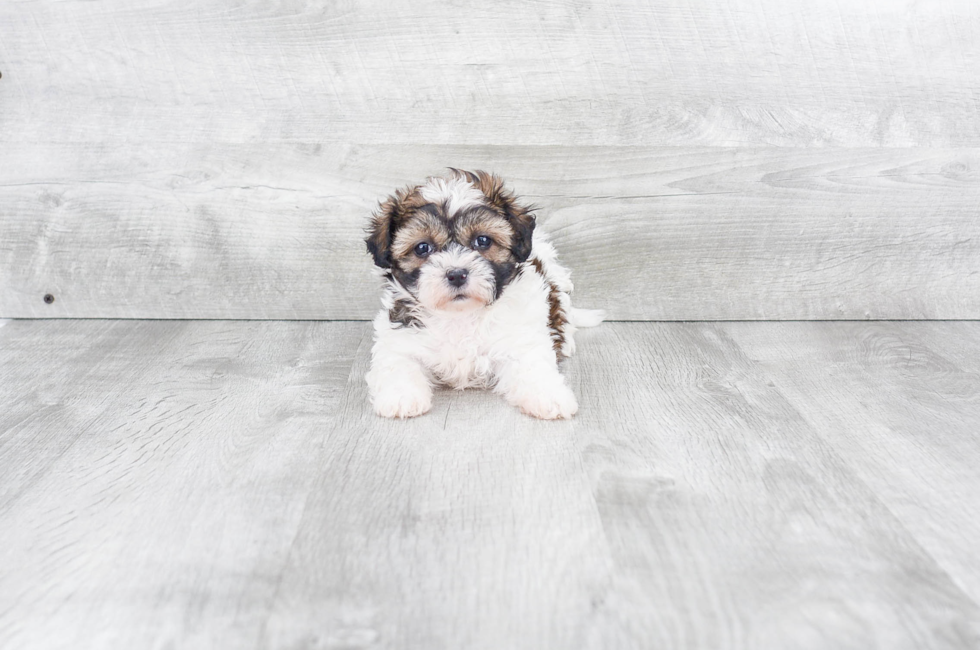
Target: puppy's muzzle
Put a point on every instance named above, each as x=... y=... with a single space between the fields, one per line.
x=456 y=277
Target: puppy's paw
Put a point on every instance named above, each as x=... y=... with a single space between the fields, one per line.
x=548 y=402
x=402 y=400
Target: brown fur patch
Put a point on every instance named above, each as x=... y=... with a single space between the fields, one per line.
x=391 y=214
x=492 y=187
x=521 y=217
x=402 y=313
x=473 y=223
x=557 y=318
x=422 y=227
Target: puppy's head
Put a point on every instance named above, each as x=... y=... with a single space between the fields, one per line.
x=455 y=242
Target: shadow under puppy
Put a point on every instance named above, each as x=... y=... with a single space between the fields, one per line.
x=473 y=297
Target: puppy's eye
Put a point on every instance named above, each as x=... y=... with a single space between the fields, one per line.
x=482 y=242
x=422 y=249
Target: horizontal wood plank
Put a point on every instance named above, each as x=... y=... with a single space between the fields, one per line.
x=275 y=231
x=627 y=72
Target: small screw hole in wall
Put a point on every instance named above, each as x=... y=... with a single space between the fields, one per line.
x=48 y=298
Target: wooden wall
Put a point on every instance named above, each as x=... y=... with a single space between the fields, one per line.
x=739 y=159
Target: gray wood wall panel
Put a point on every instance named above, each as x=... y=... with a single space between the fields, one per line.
x=739 y=159
x=274 y=231
x=625 y=72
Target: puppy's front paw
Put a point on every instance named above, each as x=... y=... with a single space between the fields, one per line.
x=402 y=400
x=549 y=403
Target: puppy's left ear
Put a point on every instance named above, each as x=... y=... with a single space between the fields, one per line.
x=521 y=217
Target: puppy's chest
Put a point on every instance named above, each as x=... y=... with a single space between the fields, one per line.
x=458 y=352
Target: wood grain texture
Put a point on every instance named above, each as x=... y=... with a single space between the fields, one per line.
x=154 y=475
x=627 y=72
x=471 y=527
x=731 y=521
x=223 y=484
x=728 y=160
x=275 y=231
x=902 y=405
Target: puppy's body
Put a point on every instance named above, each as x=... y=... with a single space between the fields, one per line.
x=461 y=313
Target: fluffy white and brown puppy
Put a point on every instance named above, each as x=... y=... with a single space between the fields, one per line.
x=473 y=297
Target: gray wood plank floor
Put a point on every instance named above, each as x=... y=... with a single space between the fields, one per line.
x=188 y=484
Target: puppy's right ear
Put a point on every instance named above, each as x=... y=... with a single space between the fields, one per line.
x=381 y=232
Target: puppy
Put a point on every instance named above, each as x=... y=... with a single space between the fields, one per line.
x=473 y=297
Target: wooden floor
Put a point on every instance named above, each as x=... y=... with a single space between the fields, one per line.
x=184 y=484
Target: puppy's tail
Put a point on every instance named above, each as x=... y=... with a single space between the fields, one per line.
x=586 y=317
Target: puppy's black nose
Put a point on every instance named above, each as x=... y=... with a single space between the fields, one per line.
x=456 y=277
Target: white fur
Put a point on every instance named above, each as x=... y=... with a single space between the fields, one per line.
x=456 y=192
x=505 y=345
